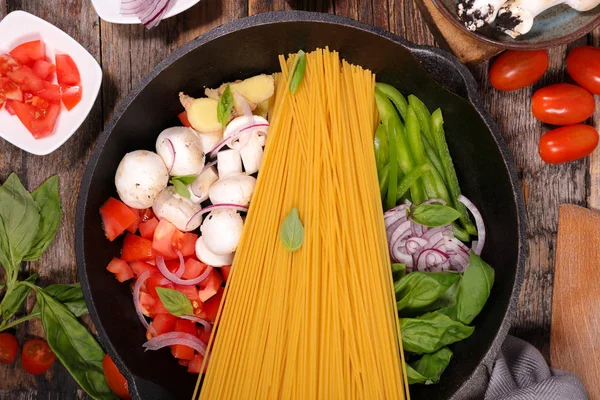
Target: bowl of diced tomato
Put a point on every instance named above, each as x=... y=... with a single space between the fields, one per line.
x=48 y=83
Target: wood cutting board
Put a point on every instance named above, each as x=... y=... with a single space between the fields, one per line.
x=575 y=331
x=468 y=49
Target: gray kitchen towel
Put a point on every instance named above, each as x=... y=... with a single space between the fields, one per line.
x=521 y=373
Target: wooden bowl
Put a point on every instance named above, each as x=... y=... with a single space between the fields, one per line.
x=556 y=26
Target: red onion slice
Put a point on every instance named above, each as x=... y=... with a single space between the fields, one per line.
x=213 y=207
x=162 y=267
x=233 y=136
x=174 y=155
x=430 y=258
x=477 y=246
x=207 y=326
x=150 y=12
x=181 y=269
x=172 y=338
x=136 y=301
x=243 y=104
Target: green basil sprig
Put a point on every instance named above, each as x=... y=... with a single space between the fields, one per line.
x=297 y=71
x=431 y=332
x=433 y=214
x=180 y=184
x=429 y=368
x=70 y=296
x=292 y=231
x=225 y=106
x=418 y=290
x=175 y=302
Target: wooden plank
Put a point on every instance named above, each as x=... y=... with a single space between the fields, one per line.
x=575 y=330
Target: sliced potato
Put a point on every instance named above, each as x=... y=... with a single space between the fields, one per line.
x=202 y=114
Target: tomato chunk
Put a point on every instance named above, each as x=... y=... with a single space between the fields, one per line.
x=186 y=243
x=163 y=239
x=211 y=307
x=71 y=96
x=210 y=286
x=195 y=364
x=115 y=379
x=39 y=121
x=193 y=269
x=191 y=292
x=157 y=280
x=28 y=53
x=184 y=119
x=139 y=267
x=44 y=69
x=27 y=80
x=124 y=215
x=147 y=228
x=67 y=72
x=147 y=302
x=50 y=91
x=9 y=90
x=225 y=270
x=136 y=248
x=180 y=351
x=37 y=356
x=133 y=227
x=7 y=64
x=121 y=269
x=164 y=323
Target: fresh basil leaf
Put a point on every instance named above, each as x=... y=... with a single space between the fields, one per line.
x=292 y=231
x=19 y=221
x=382 y=148
x=297 y=71
x=398 y=271
x=185 y=179
x=474 y=289
x=15 y=297
x=429 y=368
x=431 y=332
x=175 y=302
x=74 y=346
x=421 y=289
x=433 y=214
x=69 y=296
x=48 y=203
x=225 y=106
x=181 y=189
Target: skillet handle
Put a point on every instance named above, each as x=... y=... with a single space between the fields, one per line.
x=146 y=390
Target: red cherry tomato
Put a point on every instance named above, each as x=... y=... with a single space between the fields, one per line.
x=517 y=69
x=8 y=348
x=115 y=379
x=562 y=104
x=583 y=65
x=37 y=356
x=568 y=143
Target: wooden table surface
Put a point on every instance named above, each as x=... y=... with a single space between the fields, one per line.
x=126 y=53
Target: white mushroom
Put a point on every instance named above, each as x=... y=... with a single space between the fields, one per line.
x=181 y=150
x=516 y=17
x=179 y=211
x=244 y=122
x=199 y=188
x=140 y=177
x=210 y=258
x=222 y=230
x=210 y=140
x=252 y=154
x=229 y=162
x=235 y=189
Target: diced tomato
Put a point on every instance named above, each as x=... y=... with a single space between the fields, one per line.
x=193 y=269
x=211 y=307
x=40 y=122
x=136 y=248
x=173 y=265
x=157 y=280
x=180 y=351
x=44 y=69
x=203 y=334
x=210 y=286
x=225 y=269
x=112 y=229
x=163 y=239
x=139 y=267
x=164 y=323
x=50 y=91
x=121 y=269
x=186 y=243
x=159 y=308
x=147 y=228
x=10 y=109
x=27 y=80
x=28 y=53
x=146 y=214
x=196 y=364
x=184 y=119
x=133 y=227
x=9 y=90
x=120 y=212
x=147 y=303
x=191 y=293
x=7 y=64
x=66 y=70
x=71 y=95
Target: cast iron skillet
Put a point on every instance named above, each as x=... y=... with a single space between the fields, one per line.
x=250 y=46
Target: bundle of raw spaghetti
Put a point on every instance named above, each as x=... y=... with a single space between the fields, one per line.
x=320 y=322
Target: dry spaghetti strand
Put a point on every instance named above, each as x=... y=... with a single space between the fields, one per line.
x=319 y=323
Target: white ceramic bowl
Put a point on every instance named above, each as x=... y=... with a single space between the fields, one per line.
x=20 y=27
x=108 y=10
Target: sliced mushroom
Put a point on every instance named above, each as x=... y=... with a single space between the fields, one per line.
x=199 y=188
x=140 y=177
x=236 y=189
x=181 y=212
x=229 y=162
x=210 y=258
x=252 y=154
